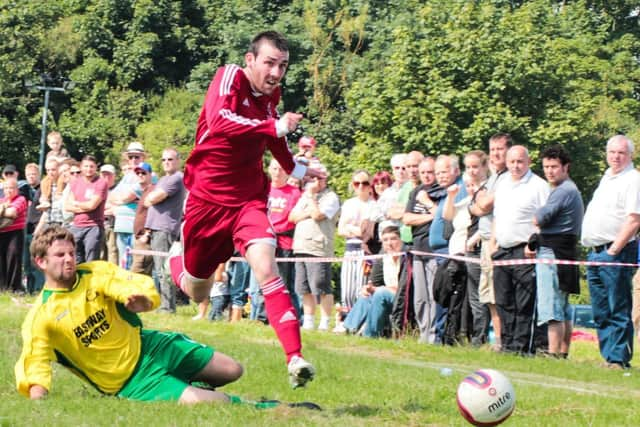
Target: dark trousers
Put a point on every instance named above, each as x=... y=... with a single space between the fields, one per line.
x=35 y=277
x=11 y=245
x=479 y=311
x=515 y=289
x=88 y=242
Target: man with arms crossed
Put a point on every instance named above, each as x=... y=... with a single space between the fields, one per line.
x=560 y=221
x=499 y=143
x=228 y=188
x=609 y=228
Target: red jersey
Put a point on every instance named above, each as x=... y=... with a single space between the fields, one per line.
x=235 y=127
x=281 y=201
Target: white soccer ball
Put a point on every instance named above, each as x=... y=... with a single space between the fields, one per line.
x=486 y=397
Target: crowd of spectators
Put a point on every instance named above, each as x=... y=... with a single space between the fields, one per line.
x=492 y=207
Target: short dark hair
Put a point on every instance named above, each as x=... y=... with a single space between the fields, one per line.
x=391 y=229
x=275 y=38
x=90 y=158
x=556 y=152
x=502 y=136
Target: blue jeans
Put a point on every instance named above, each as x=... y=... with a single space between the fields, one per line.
x=610 y=289
x=552 y=303
x=374 y=310
x=124 y=241
x=258 y=312
x=240 y=274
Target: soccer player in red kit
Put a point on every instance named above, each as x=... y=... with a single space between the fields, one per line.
x=228 y=188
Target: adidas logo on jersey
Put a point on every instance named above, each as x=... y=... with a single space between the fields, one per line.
x=245 y=102
x=288 y=317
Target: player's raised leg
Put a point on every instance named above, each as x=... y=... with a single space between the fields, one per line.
x=280 y=311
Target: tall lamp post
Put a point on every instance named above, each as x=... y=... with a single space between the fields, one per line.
x=48 y=85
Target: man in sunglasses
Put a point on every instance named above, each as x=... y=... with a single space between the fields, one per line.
x=228 y=188
x=124 y=201
x=163 y=220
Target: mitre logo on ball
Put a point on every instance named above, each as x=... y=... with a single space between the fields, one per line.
x=486 y=397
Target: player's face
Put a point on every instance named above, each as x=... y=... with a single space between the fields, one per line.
x=59 y=265
x=267 y=68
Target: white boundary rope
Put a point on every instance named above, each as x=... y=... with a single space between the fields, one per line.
x=461 y=258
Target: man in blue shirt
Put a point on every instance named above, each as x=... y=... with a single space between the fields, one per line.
x=560 y=221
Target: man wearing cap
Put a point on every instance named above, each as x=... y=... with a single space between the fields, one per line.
x=109 y=251
x=124 y=201
x=228 y=188
x=165 y=204
x=142 y=264
x=86 y=201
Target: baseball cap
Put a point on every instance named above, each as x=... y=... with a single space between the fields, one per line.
x=307 y=142
x=135 y=147
x=143 y=167
x=108 y=168
x=9 y=169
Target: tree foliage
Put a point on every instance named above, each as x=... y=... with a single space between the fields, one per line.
x=373 y=77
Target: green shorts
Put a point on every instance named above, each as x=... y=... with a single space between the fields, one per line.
x=168 y=362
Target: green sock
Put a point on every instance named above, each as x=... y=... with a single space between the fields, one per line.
x=262 y=404
x=234 y=399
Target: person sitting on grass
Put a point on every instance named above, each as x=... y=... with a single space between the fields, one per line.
x=377 y=297
x=86 y=319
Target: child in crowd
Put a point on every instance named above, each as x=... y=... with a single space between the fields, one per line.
x=59 y=153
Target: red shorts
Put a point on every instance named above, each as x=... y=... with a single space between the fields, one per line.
x=210 y=232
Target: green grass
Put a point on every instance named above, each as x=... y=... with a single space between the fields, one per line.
x=360 y=382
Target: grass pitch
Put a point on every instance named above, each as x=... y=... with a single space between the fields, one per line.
x=360 y=382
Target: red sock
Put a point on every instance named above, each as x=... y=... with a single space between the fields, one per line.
x=282 y=316
x=176 y=268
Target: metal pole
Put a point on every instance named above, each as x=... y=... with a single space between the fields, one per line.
x=44 y=130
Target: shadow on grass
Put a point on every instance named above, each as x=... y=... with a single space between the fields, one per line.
x=364 y=411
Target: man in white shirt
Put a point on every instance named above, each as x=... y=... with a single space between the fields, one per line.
x=609 y=229
x=516 y=200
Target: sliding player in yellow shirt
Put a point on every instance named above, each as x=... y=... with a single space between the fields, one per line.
x=85 y=319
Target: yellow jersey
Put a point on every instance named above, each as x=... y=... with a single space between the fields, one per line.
x=86 y=328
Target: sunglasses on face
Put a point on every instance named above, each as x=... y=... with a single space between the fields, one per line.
x=75 y=172
x=141 y=173
x=134 y=156
x=361 y=183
